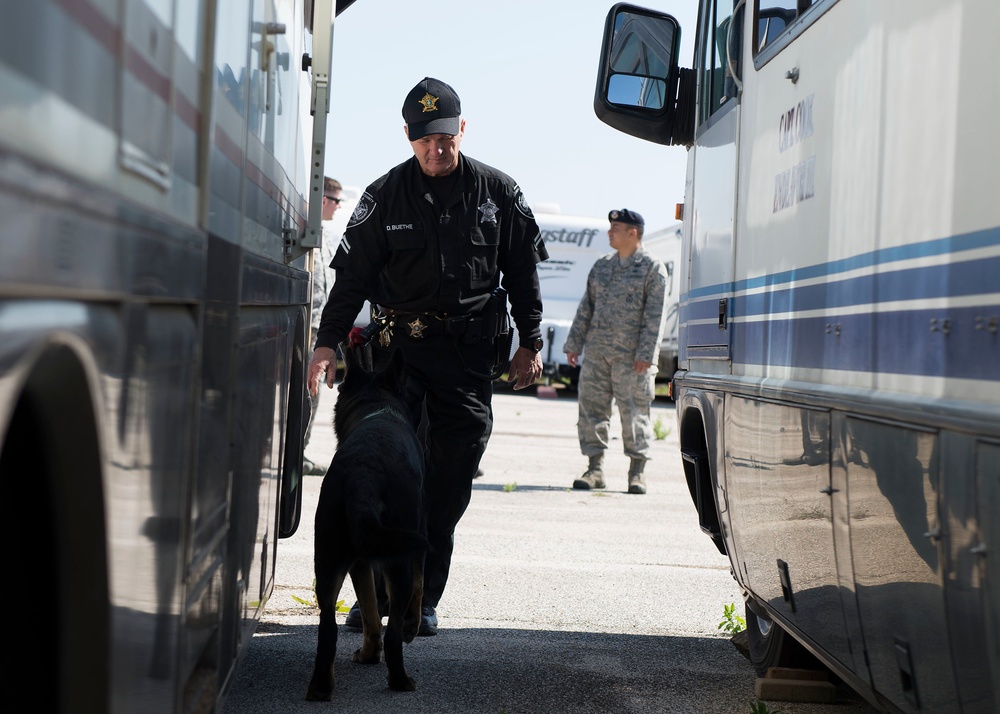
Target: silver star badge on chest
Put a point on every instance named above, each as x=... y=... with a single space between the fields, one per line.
x=489 y=211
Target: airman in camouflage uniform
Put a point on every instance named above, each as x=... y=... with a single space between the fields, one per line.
x=620 y=321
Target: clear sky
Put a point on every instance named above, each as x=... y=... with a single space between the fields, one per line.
x=525 y=71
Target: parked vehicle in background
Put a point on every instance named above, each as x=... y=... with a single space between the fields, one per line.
x=838 y=392
x=665 y=244
x=574 y=244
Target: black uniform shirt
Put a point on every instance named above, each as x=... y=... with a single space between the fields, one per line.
x=407 y=250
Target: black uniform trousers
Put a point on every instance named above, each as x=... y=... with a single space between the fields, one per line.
x=448 y=384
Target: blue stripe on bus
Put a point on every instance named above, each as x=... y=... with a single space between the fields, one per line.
x=704 y=335
x=941 y=246
x=970 y=277
x=700 y=310
x=900 y=342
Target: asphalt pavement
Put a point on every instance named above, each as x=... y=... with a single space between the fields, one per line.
x=558 y=601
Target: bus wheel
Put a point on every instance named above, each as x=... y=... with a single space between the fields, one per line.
x=771 y=646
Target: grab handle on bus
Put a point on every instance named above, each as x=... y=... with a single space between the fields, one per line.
x=733 y=53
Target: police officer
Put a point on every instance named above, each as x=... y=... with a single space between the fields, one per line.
x=620 y=321
x=431 y=244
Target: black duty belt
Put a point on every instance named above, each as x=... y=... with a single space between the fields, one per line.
x=418 y=325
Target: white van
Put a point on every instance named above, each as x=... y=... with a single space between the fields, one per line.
x=665 y=244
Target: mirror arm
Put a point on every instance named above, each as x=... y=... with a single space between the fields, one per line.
x=682 y=130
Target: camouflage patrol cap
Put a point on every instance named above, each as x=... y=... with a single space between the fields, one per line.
x=626 y=216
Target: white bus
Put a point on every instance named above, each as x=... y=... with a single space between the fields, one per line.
x=838 y=393
x=160 y=183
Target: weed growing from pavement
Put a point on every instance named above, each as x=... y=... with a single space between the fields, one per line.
x=731 y=622
x=759 y=707
x=659 y=430
x=341 y=607
x=508 y=487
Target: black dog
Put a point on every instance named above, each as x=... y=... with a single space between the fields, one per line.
x=371 y=513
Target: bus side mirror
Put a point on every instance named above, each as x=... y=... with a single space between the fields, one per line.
x=641 y=91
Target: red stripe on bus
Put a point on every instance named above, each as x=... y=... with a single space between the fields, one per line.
x=188 y=112
x=229 y=148
x=146 y=73
x=105 y=31
x=108 y=34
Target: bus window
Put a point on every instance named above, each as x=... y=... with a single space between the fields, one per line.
x=774 y=16
x=717 y=86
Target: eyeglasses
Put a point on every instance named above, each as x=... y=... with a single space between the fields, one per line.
x=338 y=201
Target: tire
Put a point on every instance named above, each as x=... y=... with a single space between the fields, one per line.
x=771 y=646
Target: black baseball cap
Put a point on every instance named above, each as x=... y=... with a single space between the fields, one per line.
x=432 y=107
x=626 y=216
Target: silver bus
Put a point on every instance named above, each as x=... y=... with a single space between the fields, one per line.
x=838 y=387
x=157 y=160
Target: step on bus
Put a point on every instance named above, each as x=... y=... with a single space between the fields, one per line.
x=838 y=392
x=160 y=182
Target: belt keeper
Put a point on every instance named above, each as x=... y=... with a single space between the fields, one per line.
x=455 y=325
x=473 y=331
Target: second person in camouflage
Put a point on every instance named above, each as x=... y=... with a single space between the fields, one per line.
x=620 y=324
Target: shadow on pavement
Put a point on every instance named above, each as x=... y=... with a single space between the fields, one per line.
x=503 y=670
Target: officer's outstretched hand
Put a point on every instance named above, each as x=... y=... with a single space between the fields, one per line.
x=525 y=367
x=323 y=361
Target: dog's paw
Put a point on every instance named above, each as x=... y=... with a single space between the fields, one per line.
x=403 y=683
x=373 y=656
x=319 y=691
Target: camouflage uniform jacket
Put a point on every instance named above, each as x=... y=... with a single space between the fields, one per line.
x=323 y=274
x=622 y=311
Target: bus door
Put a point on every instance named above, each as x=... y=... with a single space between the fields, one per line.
x=706 y=302
x=784 y=505
x=856 y=493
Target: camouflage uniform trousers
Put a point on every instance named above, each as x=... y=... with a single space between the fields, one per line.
x=607 y=377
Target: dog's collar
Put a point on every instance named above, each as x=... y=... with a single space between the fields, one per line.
x=386 y=410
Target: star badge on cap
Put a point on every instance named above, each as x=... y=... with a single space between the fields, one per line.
x=429 y=102
x=489 y=211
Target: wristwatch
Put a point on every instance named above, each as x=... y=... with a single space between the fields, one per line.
x=535 y=346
